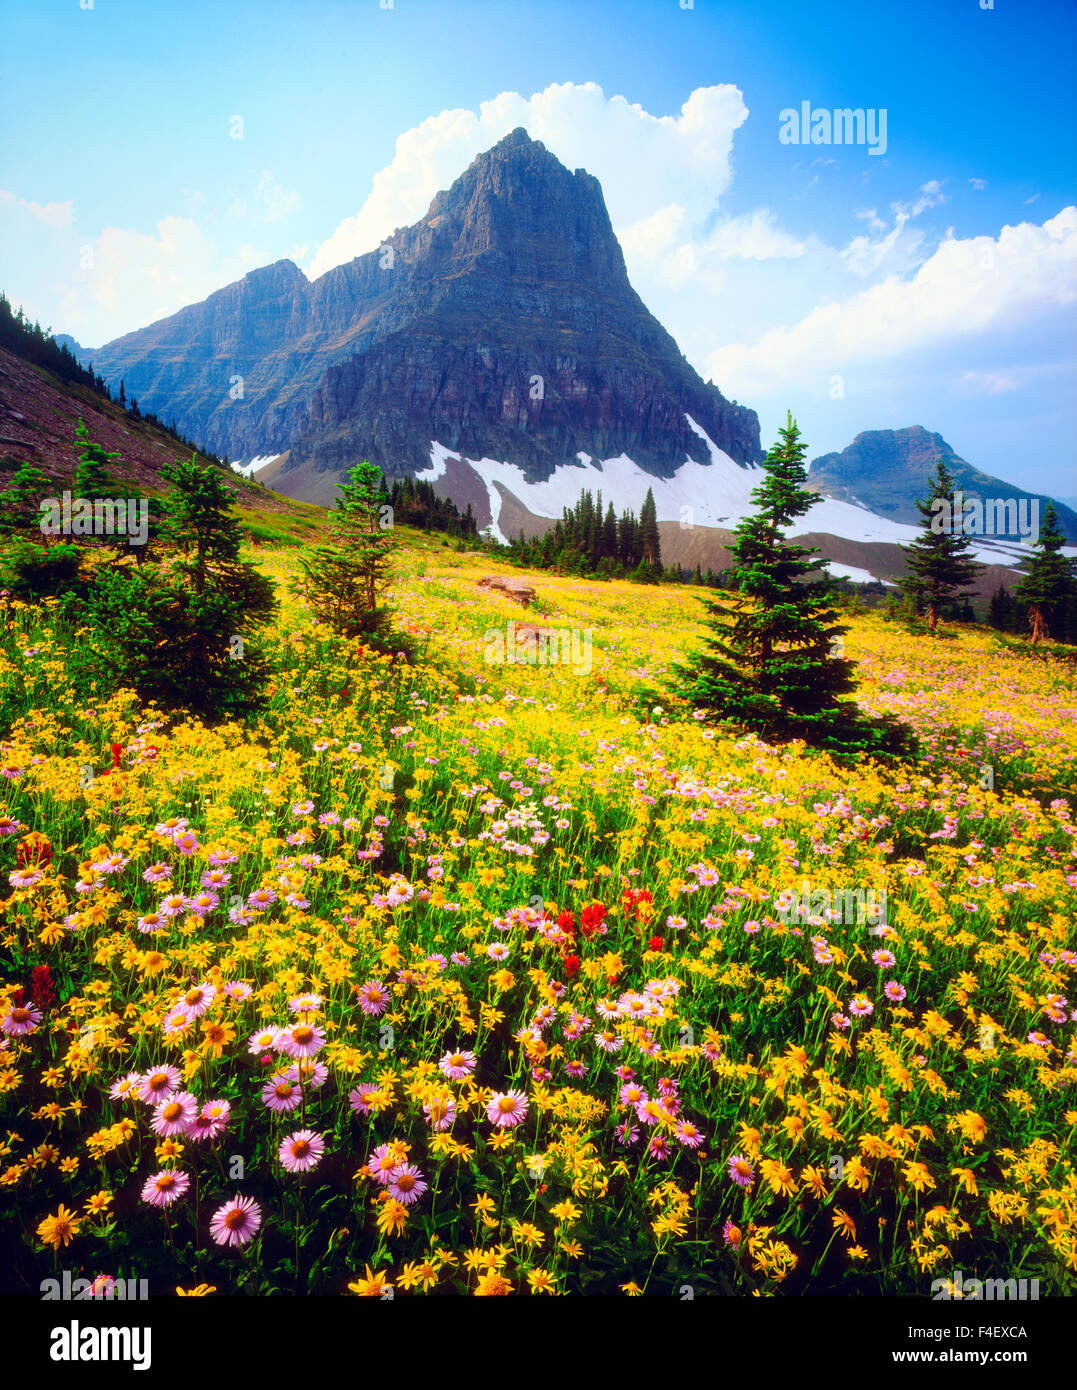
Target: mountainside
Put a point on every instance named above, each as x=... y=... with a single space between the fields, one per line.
x=887 y=470
x=502 y=325
x=38 y=416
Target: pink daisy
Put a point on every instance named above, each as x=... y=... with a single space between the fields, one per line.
x=126 y=1087
x=506 y=1108
x=440 y=1113
x=686 y=1134
x=383 y=1163
x=894 y=991
x=264 y=1040
x=198 y=999
x=741 y=1171
x=236 y=1222
x=174 y=1115
x=406 y=1184
x=301 y=1040
x=20 y=1021
x=301 y=1151
x=457 y=1065
x=373 y=998
x=158 y=1084
x=280 y=1095
x=165 y=1187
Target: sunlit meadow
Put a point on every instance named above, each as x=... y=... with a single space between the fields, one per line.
x=447 y=977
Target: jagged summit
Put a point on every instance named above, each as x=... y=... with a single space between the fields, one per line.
x=502 y=325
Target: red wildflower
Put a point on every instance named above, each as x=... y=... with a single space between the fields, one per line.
x=633 y=897
x=117 y=753
x=35 y=850
x=566 y=921
x=591 y=918
x=571 y=964
x=42 y=987
x=655 y=943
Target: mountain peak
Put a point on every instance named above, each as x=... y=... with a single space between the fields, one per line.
x=502 y=324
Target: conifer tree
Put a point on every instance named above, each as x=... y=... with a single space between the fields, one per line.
x=773 y=662
x=343 y=581
x=20 y=502
x=939 y=564
x=1049 y=580
x=92 y=478
x=649 y=539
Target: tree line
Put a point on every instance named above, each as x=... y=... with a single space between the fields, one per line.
x=588 y=540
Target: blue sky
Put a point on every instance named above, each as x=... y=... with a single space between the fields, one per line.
x=932 y=284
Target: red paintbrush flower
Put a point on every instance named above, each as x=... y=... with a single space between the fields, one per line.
x=655 y=943
x=42 y=987
x=591 y=918
x=571 y=964
x=33 y=850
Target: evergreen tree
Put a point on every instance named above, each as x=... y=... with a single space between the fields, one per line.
x=182 y=632
x=1049 y=580
x=20 y=501
x=92 y=478
x=649 y=539
x=1000 y=610
x=773 y=662
x=342 y=581
x=938 y=562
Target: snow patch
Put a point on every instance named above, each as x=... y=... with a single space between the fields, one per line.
x=259 y=461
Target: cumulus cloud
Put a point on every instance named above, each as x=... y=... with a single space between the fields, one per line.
x=967 y=287
x=52 y=214
x=130 y=278
x=687 y=159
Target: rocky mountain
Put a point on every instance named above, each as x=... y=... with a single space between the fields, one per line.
x=887 y=470
x=502 y=325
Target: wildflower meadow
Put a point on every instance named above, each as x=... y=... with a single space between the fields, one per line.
x=443 y=976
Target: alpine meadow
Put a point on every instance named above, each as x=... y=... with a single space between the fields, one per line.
x=484 y=810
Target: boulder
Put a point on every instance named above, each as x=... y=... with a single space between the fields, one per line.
x=510 y=586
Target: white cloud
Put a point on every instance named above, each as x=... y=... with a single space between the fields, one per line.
x=687 y=158
x=277 y=200
x=988 y=383
x=965 y=288
x=52 y=214
x=978 y=184
x=139 y=277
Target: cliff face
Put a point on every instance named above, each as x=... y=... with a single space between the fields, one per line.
x=888 y=470
x=503 y=324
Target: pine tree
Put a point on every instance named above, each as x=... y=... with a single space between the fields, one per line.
x=649 y=539
x=774 y=662
x=20 y=502
x=342 y=581
x=92 y=478
x=1049 y=580
x=938 y=562
x=182 y=633
x=1000 y=610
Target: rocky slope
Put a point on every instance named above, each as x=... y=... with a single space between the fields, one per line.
x=502 y=325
